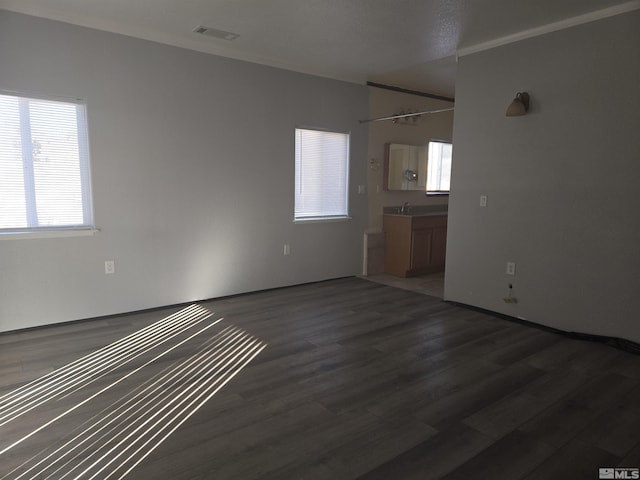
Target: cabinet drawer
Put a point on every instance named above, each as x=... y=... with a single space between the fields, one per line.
x=429 y=222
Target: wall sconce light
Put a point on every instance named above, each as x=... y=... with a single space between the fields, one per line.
x=519 y=106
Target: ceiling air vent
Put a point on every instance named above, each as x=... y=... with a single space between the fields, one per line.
x=215 y=33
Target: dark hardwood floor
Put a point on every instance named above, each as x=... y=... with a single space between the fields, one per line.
x=334 y=380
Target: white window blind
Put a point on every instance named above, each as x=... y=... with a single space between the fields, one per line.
x=322 y=174
x=44 y=165
x=439 y=167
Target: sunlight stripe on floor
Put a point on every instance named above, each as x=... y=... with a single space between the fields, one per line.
x=90 y=368
x=112 y=443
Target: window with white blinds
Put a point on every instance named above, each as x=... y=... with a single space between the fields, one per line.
x=322 y=174
x=44 y=165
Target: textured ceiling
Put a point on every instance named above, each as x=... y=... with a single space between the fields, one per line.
x=408 y=43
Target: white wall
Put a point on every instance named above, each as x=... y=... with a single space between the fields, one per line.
x=192 y=161
x=384 y=103
x=562 y=182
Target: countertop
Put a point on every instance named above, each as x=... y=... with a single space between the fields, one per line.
x=418 y=214
x=417 y=211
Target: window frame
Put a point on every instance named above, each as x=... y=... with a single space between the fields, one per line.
x=34 y=229
x=347 y=171
x=426 y=187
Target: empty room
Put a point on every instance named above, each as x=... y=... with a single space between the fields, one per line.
x=260 y=239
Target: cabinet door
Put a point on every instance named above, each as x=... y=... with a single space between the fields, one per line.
x=397 y=244
x=439 y=246
x=421 y=248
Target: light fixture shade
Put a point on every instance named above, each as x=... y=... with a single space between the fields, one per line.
x=519 y=106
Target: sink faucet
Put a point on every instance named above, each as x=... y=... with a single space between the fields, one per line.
x=404 y=208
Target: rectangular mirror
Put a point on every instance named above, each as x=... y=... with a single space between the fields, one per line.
x=405 y=167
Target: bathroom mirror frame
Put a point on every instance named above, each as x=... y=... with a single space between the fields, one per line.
x=405 y=167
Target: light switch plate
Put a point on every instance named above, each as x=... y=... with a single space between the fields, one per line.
x=511 y=268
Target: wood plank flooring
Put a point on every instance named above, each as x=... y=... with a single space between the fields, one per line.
x=351 y=379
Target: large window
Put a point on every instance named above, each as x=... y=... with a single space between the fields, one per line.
x=439 y=167
x=322 y=175
x=44 y=165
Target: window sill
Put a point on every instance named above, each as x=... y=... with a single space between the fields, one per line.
x=321 y=219
x=48 y=233
x=436 y=194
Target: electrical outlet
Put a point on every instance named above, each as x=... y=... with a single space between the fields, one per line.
x=511 y=268
x=109 y=267
x=362 y=189
x=483 y=200
x=287 y=249
x=510 y=298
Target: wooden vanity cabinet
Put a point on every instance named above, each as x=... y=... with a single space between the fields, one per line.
x=414 y=245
